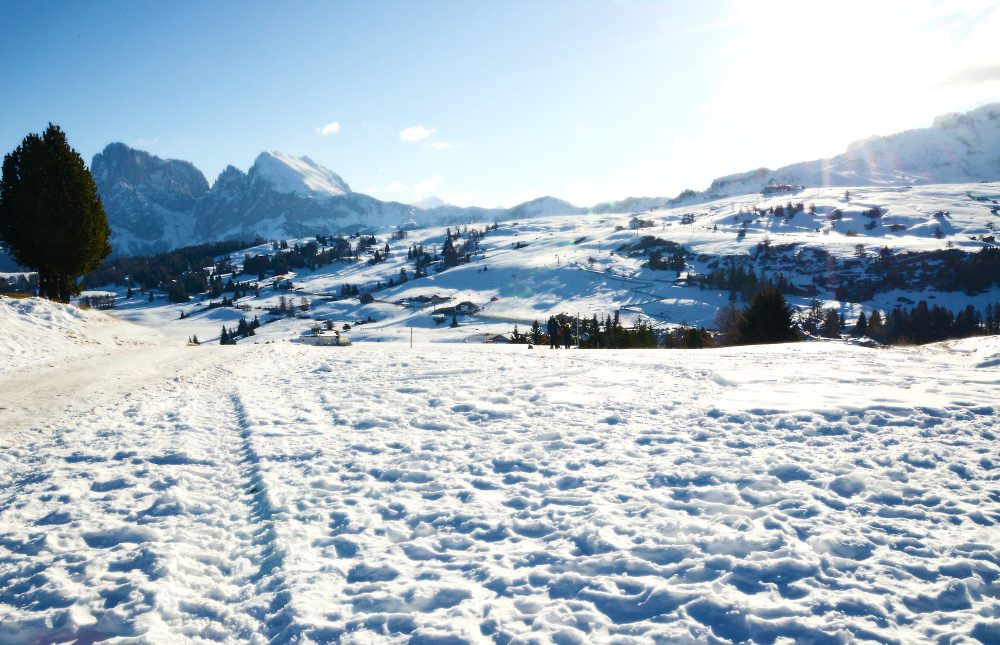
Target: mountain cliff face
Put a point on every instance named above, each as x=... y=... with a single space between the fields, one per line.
x=285 y=196
x=155 y=204
x=150 y=201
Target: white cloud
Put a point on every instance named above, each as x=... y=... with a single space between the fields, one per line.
x=910 y=60
x=416 y=133
x=442 y=145
x=330 y=128
x=397 y=187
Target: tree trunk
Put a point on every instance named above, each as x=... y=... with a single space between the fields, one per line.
x=55 y=286
x=66 y=286
x=47 y=285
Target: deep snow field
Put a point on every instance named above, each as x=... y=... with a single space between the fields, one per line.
x=813 y=492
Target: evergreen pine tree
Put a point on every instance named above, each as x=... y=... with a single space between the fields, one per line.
x=224 y=336
x=831 y=324
x=768 y=319
x=876 y=327
x=176 y=292
x=861 y=327
x=51 y=218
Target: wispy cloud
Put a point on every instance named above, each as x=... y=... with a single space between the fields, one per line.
x=330 y=128
x=416 y=133
x=442 y=145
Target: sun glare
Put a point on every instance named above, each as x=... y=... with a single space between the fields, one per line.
x=859 y=68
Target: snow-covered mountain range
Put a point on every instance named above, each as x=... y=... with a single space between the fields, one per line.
x=157 y=204
x=956 y=148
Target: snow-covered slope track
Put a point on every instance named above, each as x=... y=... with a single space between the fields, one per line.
x=815 y=492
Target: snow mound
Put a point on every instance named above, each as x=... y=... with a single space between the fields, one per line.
x=35 y=331
x=297 y=175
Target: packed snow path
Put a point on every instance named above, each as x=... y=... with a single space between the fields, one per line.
x=816 y=492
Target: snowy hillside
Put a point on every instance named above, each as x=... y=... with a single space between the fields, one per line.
x=831 y=252
x=377 y=493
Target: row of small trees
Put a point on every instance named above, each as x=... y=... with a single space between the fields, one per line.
x=767 y=319
x=589 y=333
x=927 y=324
x=243 y=329
x=102 y=301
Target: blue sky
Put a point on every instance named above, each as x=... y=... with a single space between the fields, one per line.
x=492 y=103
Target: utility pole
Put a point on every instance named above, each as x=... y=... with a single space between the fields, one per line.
x=411 y=336
x=578 y=330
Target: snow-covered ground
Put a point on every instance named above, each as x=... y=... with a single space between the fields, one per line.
x=573 y=264
x=467 y=493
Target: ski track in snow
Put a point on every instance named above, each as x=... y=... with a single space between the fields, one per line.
x=490 y=494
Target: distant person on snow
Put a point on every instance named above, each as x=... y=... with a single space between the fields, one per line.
x=567 y=335
x=553 y=329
